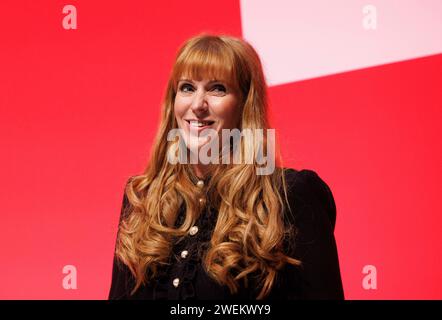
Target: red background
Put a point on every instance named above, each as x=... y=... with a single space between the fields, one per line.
x=79 y=109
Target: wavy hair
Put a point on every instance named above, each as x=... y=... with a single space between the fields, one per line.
x=247 y=240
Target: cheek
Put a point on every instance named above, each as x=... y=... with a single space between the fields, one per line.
x=179 y=108
x=228 y=112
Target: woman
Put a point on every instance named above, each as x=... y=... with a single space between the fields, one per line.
x=220 y=230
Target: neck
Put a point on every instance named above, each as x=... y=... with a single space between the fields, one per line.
x=201 y=170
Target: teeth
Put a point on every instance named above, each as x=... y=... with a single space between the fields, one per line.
x=198 y=123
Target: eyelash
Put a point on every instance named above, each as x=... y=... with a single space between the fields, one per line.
x=187 y=85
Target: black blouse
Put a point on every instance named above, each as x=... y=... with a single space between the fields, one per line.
x=314 y=215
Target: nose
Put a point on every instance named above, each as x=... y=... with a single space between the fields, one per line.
x=199 y=102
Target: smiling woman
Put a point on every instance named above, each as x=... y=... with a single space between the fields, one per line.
x=201 y=105
x=222 y=231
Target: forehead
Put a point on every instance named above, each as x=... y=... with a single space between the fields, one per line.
x=205 y=66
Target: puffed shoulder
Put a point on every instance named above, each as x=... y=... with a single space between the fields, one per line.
x=314 y=216
x=306 y=188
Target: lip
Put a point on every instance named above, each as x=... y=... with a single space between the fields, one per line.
x=197 y=129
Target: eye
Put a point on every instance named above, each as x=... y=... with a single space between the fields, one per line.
x=219 y=88
x=186 y=87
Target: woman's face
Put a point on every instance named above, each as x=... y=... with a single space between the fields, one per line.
x=204 y=104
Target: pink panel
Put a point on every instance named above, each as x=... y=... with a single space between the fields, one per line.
x=306 y=39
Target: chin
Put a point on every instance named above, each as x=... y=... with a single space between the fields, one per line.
x=195 y=145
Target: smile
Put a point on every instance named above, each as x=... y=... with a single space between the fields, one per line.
x=199 y=124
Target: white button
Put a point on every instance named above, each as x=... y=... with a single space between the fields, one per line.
x=176 y=282
x=184 y=254
x=200 y=183
x=193 y=231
